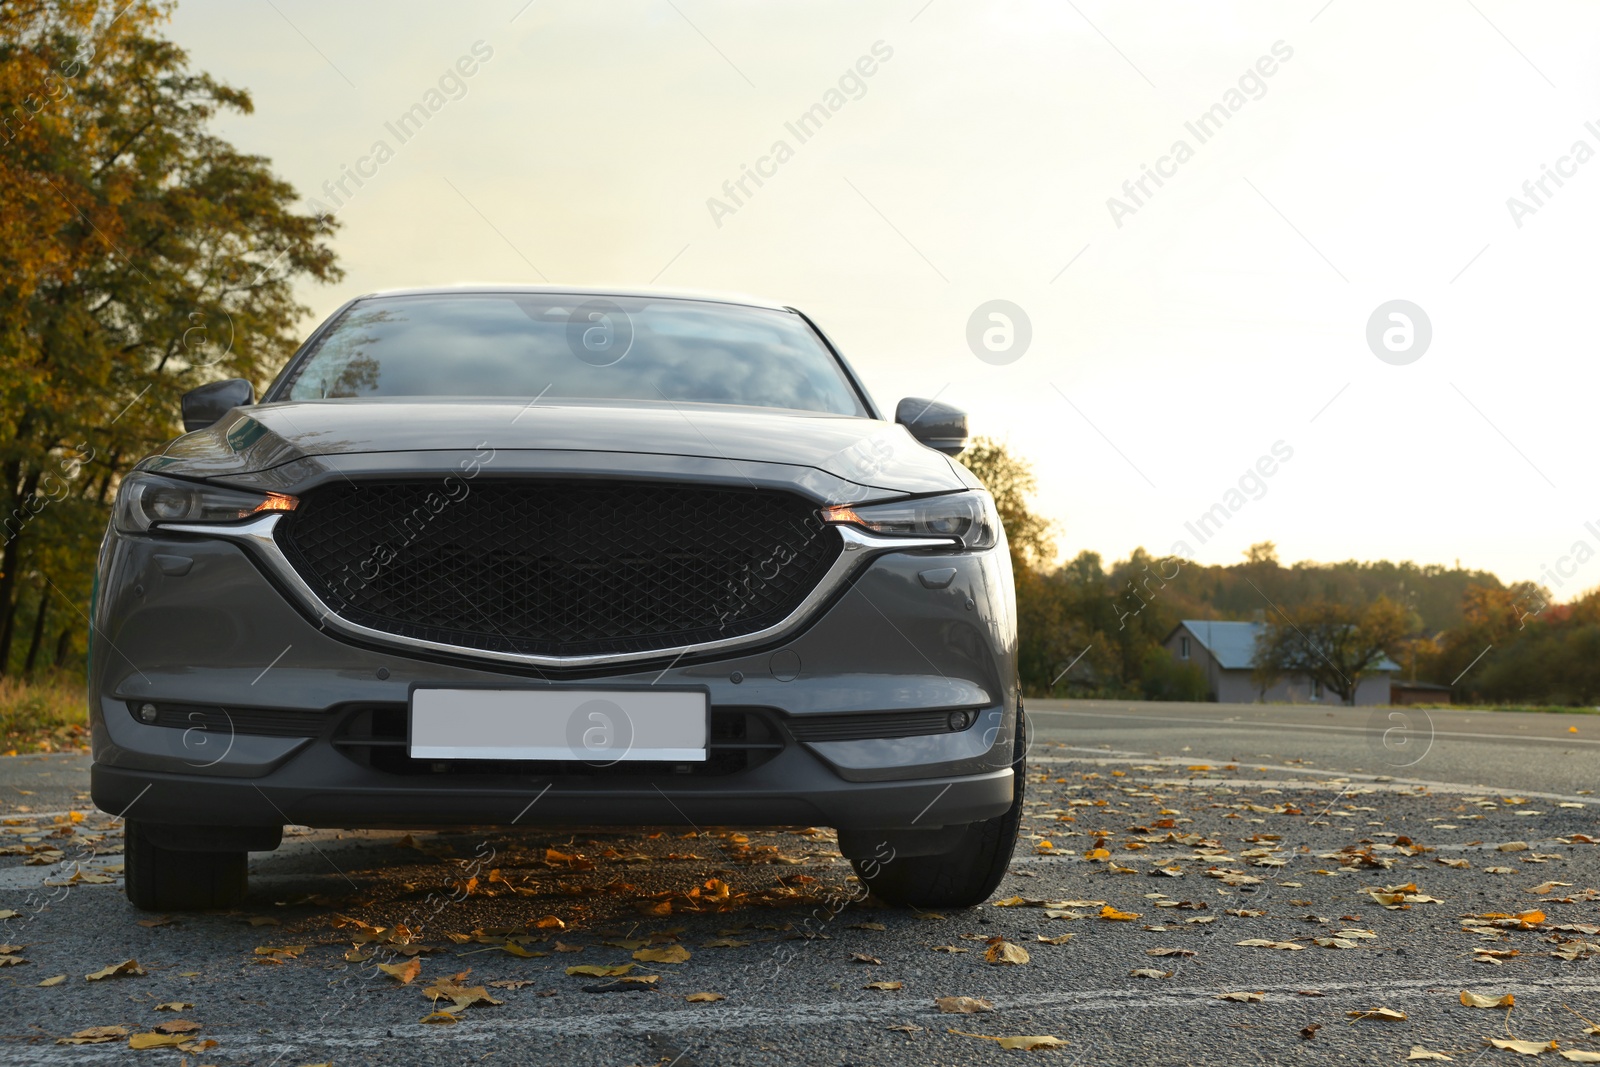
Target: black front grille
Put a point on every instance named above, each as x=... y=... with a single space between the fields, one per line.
x=557 y=567
x=741 y=738
x=225 y=722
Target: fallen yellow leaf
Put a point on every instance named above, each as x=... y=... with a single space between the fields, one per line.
x=887 y=987
x=1111 y=914
x=1040 y=1041
x=963 y=1005
x=1475 y=1000
x=95 y=1035
x=128 y=968
x=1526 y=1048
x=1243 y=998
x=1388 y=1014
x=595 y=970
x=665 y=954
x=704 y=998
x=153 y=1040
x=1420 y=1053
x=403 y=972
x=1002 y=951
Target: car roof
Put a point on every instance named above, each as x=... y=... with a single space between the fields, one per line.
x=646 y=292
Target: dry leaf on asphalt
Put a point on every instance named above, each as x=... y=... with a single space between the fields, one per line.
x=1148 y=972
x=1476 y=1000
x=962 y=1005
x=174 y=1005
x=1002 y=951
x=1261 y=942
x=440 y=1018
x=1420 y=1053
x=1170 y=952
x=1111 y=914
x=271 y=954
x=127 y=968
x=1310 y=1031
x=461 y=997
x=862 y=957
x=402 y=972
x=55 y=979
x=595 y=970
x=704 y=998
x=956 y=948
x=1388 y=1014
x=1243 y=998
x=95 y=1035
x=888 y=987
x=153 y=1040
x=665 y=954
x=1578 y=1055
x=1526 y=1048
x=1040 y=1041
x=176 y=1026
x=1333 y=942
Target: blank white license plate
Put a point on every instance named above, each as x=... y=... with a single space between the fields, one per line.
x=593 y=725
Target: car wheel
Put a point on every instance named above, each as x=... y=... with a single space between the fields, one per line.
x=163 y=879
x=962 y=876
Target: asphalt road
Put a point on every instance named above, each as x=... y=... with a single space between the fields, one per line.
x=1219 y=825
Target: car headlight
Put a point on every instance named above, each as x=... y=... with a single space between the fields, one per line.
x=968 y=517
x=146 y=500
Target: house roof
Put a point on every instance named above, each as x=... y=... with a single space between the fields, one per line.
x=1233 y=644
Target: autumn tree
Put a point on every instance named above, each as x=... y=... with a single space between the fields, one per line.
x=1011 y=482
x=140 y=256
x=1330 y=642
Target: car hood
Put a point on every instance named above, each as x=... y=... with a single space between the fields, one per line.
x=255 y=439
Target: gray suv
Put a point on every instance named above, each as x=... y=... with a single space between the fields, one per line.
x=516 y=555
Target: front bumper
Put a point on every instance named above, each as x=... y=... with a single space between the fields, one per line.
x=191 y=622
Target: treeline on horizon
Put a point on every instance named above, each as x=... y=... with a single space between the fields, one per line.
x=1092 y=629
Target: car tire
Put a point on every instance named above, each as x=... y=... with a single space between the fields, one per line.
x=163 y=879
x=962 y=876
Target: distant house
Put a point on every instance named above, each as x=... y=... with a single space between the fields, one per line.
x=1225 y=651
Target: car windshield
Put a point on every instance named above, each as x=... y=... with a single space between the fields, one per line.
x=574 y=347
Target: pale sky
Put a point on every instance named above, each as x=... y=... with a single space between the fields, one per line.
x=1227 y=313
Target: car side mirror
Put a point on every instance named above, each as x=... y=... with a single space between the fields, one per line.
x=207 y=404
x=939 y=426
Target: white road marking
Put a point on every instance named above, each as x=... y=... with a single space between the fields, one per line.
x=1330 y=777
x=1269 y=724
x=686 y=1022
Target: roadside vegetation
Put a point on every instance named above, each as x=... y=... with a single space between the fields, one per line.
x=47 y=714
x=1092 y=630
x=141 y=255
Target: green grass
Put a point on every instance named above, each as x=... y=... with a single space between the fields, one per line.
x=1550 y=709
x=48 y=714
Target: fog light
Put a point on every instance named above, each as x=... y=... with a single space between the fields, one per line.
x=148 y=713
x=960 y=720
